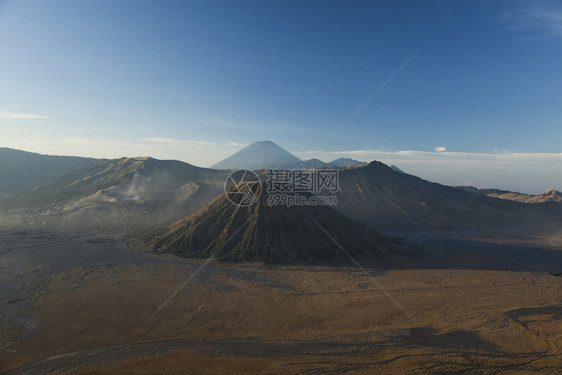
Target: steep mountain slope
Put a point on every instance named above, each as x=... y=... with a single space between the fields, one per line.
x=384 y=199
x=118 y=194
x=549 y=196
x=258 y=155
x=266 y=233
x=345 y=162
x=309 y=164
x=22 y=170
x=396 y=169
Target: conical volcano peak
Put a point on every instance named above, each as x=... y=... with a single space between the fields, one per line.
x=259 y=155
x=267 y=233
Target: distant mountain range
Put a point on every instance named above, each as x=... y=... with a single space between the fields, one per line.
x=121 y=194
x=147 y=195
x=345 y=162
x=22 y=170
x=266 y=154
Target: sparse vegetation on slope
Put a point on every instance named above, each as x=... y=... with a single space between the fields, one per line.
x=270 y=234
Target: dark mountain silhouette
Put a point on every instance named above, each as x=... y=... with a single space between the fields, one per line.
x=317 y=163
x=396 y=169
x=268 y=233
x=384 y=199
x=345 y=162
x=22 y=170
x=309 y=164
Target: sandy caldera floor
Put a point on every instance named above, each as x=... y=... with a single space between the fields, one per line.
x=258 y=319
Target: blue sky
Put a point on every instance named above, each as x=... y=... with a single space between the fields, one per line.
x=484 y=82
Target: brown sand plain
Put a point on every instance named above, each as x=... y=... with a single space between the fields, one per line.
x=253 y=318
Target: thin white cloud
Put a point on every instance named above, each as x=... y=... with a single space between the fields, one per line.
x=19 y=116
x=184 y=141
x=440 y=149
x=432 y=155
x=535 y=19
x=532 y=173
x=526 y=172
x=78 y=140
x=200 y=153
